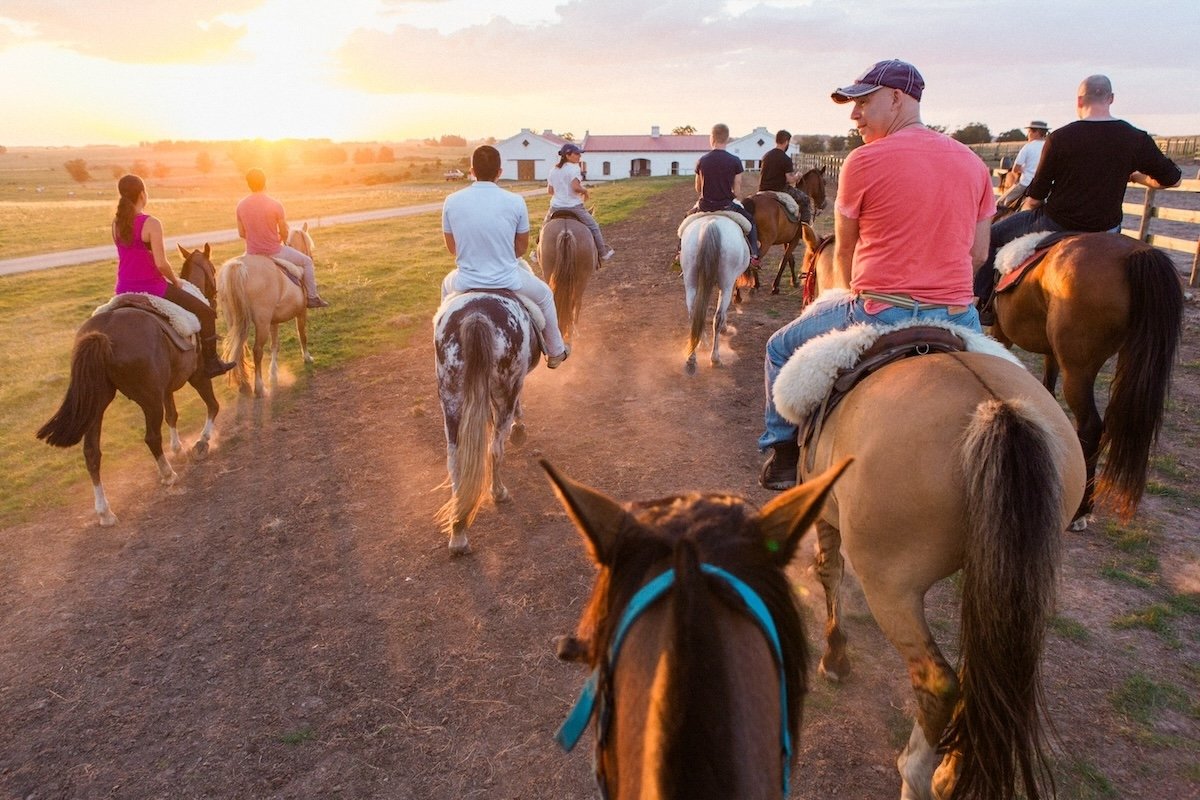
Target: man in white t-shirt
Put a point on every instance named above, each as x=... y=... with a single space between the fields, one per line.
x=1026 y=164
x=486 y=229
x=567 y=193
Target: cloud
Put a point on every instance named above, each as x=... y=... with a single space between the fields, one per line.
x=179 y=31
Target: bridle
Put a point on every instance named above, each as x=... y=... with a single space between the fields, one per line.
x=597 y=701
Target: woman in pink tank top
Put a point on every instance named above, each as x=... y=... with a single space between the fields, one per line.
x=142 y=266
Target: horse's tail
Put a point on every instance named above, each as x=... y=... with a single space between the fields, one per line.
x=708 y=262
x=567 y=285
x=1014 y=507
x=472 y=462
x=88 y=394
x=1142 y=378
x=231 y=289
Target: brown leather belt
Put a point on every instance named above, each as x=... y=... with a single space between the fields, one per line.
x=904 y=301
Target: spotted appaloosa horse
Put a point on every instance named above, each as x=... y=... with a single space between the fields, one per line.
x=486 y=344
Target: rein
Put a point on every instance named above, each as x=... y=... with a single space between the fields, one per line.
x=586 y=706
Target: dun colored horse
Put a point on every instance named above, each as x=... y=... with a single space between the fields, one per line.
x=1001 y=478
x=485 y=344
x=714 y=256
x=256 y=293
x=706 y=698
x=126 y=350
x=774 y=227
x=1093 y=296
x=567 y=254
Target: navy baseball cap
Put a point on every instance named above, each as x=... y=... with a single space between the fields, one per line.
x=569 y=149
x=894 y=74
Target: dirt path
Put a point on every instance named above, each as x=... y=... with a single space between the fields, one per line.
x=289 y=625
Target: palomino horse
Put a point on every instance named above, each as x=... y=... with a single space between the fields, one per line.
x=567 y=254
x=1093 y=296
x=774 y=227
x=818 y=265
x=256 y=292
x=486 y=344
x=126 y=350
x=714 y=255
x=1001 y=476
x=707 y=696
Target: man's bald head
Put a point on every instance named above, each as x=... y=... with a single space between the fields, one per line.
x=1095 y=86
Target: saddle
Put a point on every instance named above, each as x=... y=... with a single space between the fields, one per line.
x=180 y=325
x=1018 y=257
x=737 y=217
x=564 y=213
x=790 y=207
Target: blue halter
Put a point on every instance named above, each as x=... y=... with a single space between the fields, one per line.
x=581 y=713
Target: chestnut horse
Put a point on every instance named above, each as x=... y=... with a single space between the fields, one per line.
x=567 y=255
x=1094 y=296
x=706 y=698
x=999 y=480
x=126 y=350
x=774 y=227
x=485 y=345
x=256 y=292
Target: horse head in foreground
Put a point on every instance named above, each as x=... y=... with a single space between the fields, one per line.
x=714 y=256
x=485 y=345
x=135 y=351
x=705 y=699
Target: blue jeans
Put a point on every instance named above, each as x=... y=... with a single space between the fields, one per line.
x=587 y=219
x=834 y=317
x=1003 y=232
x=304 y=262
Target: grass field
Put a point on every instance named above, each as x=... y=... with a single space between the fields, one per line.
x=382 y=278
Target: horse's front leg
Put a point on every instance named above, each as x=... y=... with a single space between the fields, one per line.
x=779 y=275
x=260 y=334
x=203 y=386
x=274 y=355
x=302 y=333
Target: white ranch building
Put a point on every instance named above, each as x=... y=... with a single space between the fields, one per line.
x=529 y=156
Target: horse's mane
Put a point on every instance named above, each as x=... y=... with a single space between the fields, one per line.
x=683 y=531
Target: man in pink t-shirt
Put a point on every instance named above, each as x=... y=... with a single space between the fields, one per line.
x=912 y=219
x=262 y=223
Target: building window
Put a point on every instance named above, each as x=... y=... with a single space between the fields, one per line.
x=606 y=168
x=525 y=143
x=674 y=167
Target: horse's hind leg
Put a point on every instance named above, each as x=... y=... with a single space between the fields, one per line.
x=172 y=417
x=152 y=410
x=203 y=386
x=274 y=355
x=91 y=458
x=1079 y=392
x=518 y=435
x=835 y=664
x=302 y=333
x=499 y=490
x=719 y=326
x=1050 y=373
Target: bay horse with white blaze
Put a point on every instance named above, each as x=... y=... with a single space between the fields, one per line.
x=1001 y=477
x=714 y=256
x=567 y=254
x=256 y=292
x=1093 y=296
x=706 y=698
x=126 y=350
x=485 y=345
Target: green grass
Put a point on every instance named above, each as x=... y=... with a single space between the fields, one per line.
x=1121 y=575
x=1082 y=780
x=383 y=279
x=1127 y=539
x=1141 y=699
x=300 y=736
x=1070 y=629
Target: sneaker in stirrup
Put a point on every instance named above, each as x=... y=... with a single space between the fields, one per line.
x=608 y=253
x=779 y=471
x=552 y=362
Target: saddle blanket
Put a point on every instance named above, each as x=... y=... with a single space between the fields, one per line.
x=1021 y=254
x=809 y=374
x=535 y=313
x=181 y=320
x=294 y=273
x=789 y=204
x=742 y=222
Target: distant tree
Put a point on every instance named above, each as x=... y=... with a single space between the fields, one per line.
x=117 y=170
x=140 y=168
x=837 y=144
x=938 y=128
x=810 y=144
x=684 y=130
x=1015 y=135
x=204 y=162
x=431 y=142
x=490 y=140
x=853 y=139
x=450 y=140
x=3 y=149
x=77 y=168
x=161 y=170
x=973 y=133
x=385 y=155
x=570 y=137
x=364 y=155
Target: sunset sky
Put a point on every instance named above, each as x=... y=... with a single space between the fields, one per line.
x=76 y=72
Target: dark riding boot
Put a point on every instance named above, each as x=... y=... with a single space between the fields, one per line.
x=780 y=470
x=213 y=366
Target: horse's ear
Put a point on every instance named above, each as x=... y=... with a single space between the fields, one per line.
x=784 y=520
x=598 y=517
x=810 y=237
x=304 y=227
x=207 y=250
x=183 y=252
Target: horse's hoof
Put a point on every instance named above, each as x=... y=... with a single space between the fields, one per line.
x=107 y=519
x=716 y=362
x=503 y=496
x=774 y=290
x=690 y=366
x=1079 y=523
x=459 y=546
x=200 y=450
x=518 y=435
x=308 y=359
x=169 y=480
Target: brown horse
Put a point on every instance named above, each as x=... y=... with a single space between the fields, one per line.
x=126 y=350
x=1000 y=478
x=818 y=265
x=567 y=254
x=774 y=227
x=1094 y=296
x=707 y=696
x=256 y=292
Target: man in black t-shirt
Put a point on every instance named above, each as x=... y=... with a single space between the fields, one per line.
x=718 y=178
x=1080 y=181
x=779 y=174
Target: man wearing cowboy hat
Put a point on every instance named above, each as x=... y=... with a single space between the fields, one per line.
x=1026 y=164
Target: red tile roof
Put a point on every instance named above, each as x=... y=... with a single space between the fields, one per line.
x=668 y=143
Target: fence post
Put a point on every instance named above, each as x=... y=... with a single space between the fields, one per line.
x=1147 y=208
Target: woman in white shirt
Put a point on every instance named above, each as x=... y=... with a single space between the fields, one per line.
x=567 y=193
